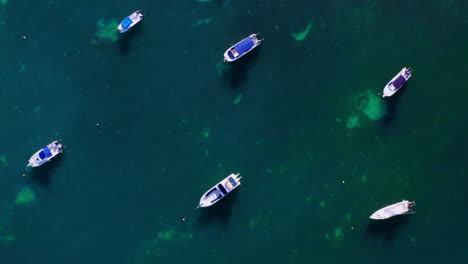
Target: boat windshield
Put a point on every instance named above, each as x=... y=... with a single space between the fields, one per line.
x=215 y=194
x=231 y=55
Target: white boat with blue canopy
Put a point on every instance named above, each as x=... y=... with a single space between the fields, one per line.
x=400 y=208
x=45 y=154
x=130 y=21
x=220 y=190
x=241 y=48
x=397 y=82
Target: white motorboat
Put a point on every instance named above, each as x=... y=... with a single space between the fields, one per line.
x=220 y=190
x=45 y=154
x=241 y=48
x=130 y=21
x=397 y=82
x=400 y=208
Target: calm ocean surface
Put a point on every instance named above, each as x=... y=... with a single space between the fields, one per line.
x=151 y=119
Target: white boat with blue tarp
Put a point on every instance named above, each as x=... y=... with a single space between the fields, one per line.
x=130 y=21
x=397 y=82
x=220 y=190
x=241 y=48
x=45 y=154
x=400 y=208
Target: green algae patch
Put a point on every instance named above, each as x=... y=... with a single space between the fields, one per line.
x=365 y=106
x=25 y=196
x=3 y=160
x=206 y=133
x=166 y=235
x=222 y=68
x=323 y=204
x=302 y=35
x=364 y=179
x=338 y=234
x=237 y=99
x=335 y=237
x=202 y=21
x=107 y=30
x=370 y=105
x=353 y=121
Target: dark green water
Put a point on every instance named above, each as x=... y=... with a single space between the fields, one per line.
x=152 y=120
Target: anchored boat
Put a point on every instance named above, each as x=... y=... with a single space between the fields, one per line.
x=241 y=48
x=45 y=154
x=220 y=190
x=397 y=82
x=130 y=21
x=400 y=208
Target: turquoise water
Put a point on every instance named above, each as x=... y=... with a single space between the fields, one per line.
x=153 y=119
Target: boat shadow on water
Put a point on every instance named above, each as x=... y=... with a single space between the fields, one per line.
x=386 y=228
x=127 y=37
x=43 y=174
x=391 y=104
x=218 y=214
x=236 y=74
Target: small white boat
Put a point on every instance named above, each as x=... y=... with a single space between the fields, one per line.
x=220 y=190
x=45 y=154
x=130 y=21
x=241 y=48
x=397 y=82
x=400 y=208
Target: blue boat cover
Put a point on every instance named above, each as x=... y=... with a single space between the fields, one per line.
x=46 y=152
x=221 y=188
x=126 y=22
x=244 y=46
x=230 y=55
x=398 y=82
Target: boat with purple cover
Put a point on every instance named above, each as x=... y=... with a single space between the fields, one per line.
x=45 y=154
x=397 y=82
x=130 y=21
x=241 y=48
x=220 y=190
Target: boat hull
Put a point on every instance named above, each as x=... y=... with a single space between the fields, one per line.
x=232 y=55
x=392 y=210
x=401 y=78
x=45 y=154
x=220 y=190
x=130 y=21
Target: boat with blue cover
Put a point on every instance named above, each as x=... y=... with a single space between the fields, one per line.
x=45 y=154
x=241 y=48
x=220 y=190
x=130 y=21
x=397 y=82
